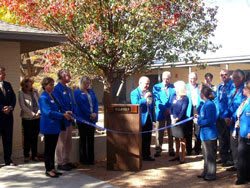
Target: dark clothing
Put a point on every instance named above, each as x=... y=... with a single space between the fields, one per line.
x=243 y=170
x=189 y=134
x=86 y=149
x=224 y=140
x=6 y=125
x=179 y=110
x=209 y=148
x=30 y=132
x=146 y=138
x=234 y=149
x=6 y=131
x=50 y=141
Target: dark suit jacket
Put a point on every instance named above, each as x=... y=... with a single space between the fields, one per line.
x=8 y=100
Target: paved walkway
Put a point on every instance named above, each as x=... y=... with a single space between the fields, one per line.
x=32 y=175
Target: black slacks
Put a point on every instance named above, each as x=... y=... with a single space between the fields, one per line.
x=243 y=170
x=86 y=146
x=146 y=138
x=30 y=135
x=188 y=136
x=224 y=140
x=6 y=131
x=50 y=141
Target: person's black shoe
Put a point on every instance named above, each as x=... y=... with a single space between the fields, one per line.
x=219 y=161
x=231 y=169
x=200 y=176
x=64 y=167
x=239 y=182
x=51 y=174
x=35 y=159
x=26 y=159
x=71 y=165
x=197 y=152
x=209 y=179
x=189 y=153
x=148 y=159
x=171 y=153
x=227 y=164
x=157 y=154
x=57 y=173
x=175 y=159
x=11 y=164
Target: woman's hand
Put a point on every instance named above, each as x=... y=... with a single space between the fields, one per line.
x=67 y=115
x=93 y=116
x=248 y=135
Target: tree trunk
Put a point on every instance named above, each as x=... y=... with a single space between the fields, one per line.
x=107 y=98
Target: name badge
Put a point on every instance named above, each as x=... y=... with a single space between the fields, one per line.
x=64 y=92
x=247 y=113
x=52 y=101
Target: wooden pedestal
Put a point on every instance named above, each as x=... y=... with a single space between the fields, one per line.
x=124 y=150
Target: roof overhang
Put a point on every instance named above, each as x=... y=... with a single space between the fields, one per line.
x=33 y=41
x=209 y=62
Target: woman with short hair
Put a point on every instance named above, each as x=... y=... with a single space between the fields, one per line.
x=50 y=124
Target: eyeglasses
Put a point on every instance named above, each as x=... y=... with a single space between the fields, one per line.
x=223 y=74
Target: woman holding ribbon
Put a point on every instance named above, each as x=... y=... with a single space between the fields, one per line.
x=50 y=124
x=243 y=123
x=178 y=113
x=87 y=110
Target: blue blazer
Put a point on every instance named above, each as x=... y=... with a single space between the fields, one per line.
x=207 y=121
x=190 y=105
x=65 y=98
x=50 y=121
x=234 y=103
x=221 y=100
x=137 y=98
x=163 y=100
x=83 y=106
x=245 y=120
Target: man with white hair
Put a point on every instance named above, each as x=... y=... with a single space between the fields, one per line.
x=142 y=96
x=193 y=94
x=164 y=93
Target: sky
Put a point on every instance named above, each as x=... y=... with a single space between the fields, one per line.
x=233 y=30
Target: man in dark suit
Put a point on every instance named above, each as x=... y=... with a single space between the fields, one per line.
x=7 y=105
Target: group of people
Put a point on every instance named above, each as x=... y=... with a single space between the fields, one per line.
x=219 y=113
x=213 y=114
x=52 y=113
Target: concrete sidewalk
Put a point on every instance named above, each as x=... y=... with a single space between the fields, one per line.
x=32 y=175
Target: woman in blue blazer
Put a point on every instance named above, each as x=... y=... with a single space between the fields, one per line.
x=50 y=123
x=208 y=133
x=243 y=116
x=87 y=109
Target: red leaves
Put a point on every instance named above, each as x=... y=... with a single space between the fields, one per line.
x=92 y=35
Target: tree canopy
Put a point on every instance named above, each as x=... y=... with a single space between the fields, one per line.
x=122 y=37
